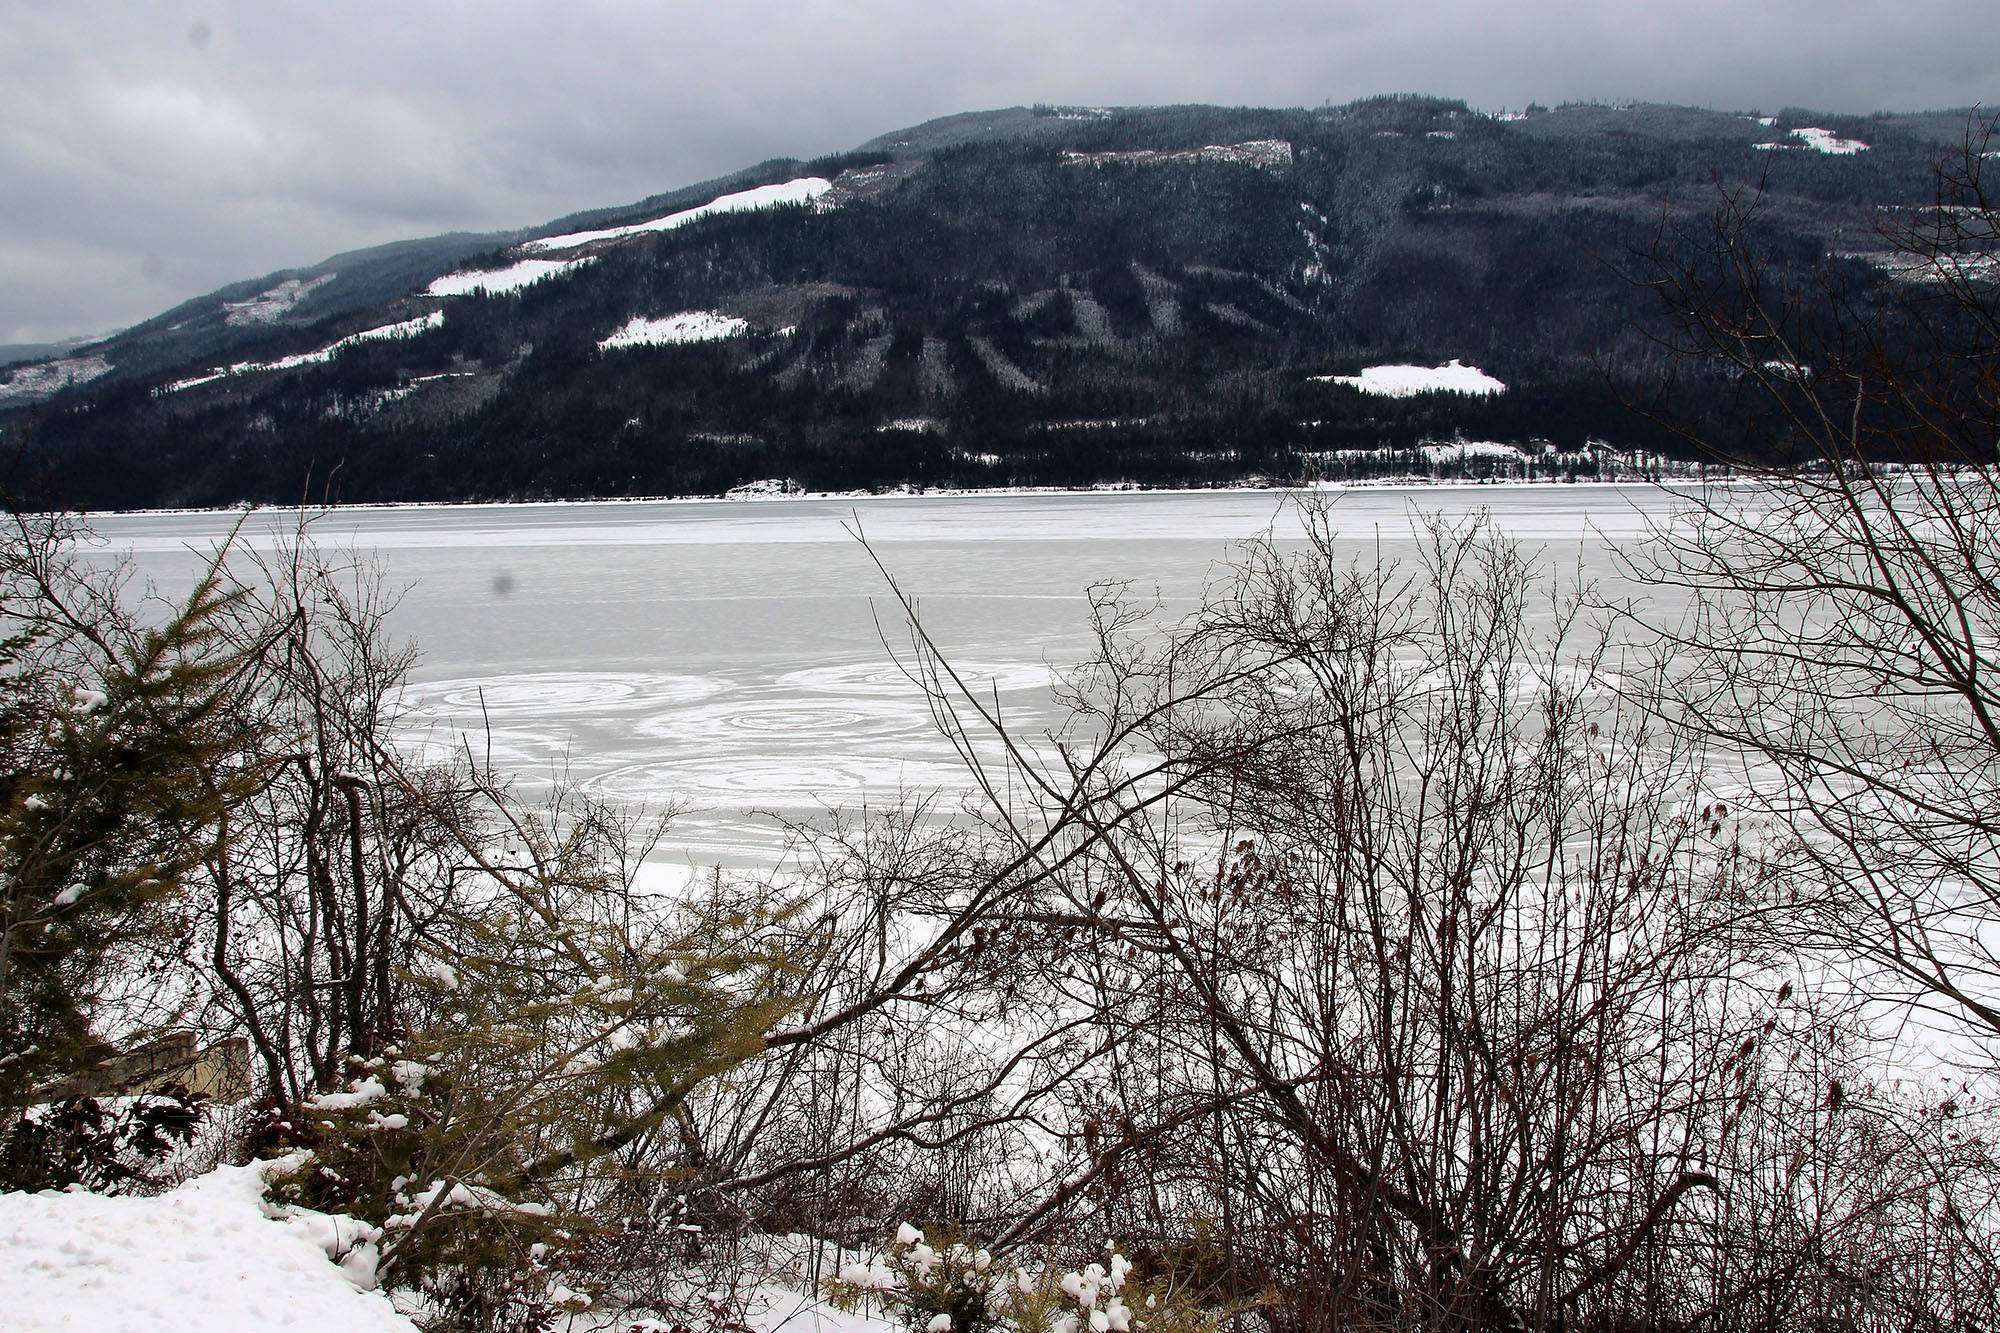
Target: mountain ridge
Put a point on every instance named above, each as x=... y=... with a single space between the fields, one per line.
x=1012 y=280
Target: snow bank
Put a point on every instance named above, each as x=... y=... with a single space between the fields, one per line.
x=801 y=191
x=1404 y=381
x=690 y=326
x=208 y=1256
x=498 y=280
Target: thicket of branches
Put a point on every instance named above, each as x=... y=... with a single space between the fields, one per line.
x=1383 y=946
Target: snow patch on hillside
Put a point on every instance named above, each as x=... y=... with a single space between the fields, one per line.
x=1005 y=371
x=691 y=326
x=408 y=328
x=47 y=377
x=1266 y=154
x=1406 y=381
x=804 y=190
x=1824 y=141
x=498 y=280
x=212 y=1255
x=271 y=306
x=1460 y=450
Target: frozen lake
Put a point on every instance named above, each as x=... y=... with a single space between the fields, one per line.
x=730 y=656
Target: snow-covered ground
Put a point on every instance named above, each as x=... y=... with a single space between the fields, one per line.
x=210 y=1256
x=498 y=280
x=214 y=1256
x=690 y=326
x=408 y=328
x=1400 y=381
x=804 y=190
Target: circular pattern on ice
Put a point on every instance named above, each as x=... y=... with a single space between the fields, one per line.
x=887 y=678
x=557 y=692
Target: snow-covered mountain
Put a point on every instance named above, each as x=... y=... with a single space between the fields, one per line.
x=1057 y=294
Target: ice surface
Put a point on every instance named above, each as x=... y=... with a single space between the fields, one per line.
x=209 y=1256
x=735 y=658
x=499 y=280
x=801 y=191
x=1405 y=381
x=690 y=326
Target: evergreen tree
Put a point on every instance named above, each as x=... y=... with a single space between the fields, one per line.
x=115 y=750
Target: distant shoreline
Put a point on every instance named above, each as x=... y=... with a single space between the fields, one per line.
x=1410 y=483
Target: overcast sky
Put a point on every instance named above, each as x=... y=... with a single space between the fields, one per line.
x=154 y=150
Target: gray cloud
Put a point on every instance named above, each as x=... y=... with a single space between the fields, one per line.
x=150 y=152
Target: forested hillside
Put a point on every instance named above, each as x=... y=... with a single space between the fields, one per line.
x=1045 y=296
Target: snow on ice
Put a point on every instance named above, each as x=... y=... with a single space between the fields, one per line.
x=690 y=326
x=804 y=190
x=212 y=1255
x=1405 y=381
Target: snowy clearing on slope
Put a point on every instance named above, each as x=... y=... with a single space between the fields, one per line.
x=1824 y=141
x=408 y=328
x=1265 y=154
x=804 y=190
x=1454 y=376
x=39 y=381
x=268 y=307
x=210 y=1255
x=498 y=280
x=1458 y=450
x=690 y=326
